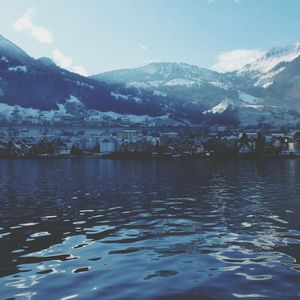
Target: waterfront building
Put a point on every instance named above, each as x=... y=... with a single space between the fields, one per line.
x=60 y=149
x=107 y=145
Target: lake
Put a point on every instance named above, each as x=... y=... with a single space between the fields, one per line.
x=165 y=229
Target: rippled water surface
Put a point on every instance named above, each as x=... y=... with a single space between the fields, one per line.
x=100 y=229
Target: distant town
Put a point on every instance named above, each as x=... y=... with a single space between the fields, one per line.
x=214 y=141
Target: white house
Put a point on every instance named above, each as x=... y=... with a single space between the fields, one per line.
x=245 y=149
x=107 y=145
x=61 y=149
x=297 y=147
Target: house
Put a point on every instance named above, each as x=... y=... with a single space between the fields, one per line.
x=22 y=148
x=60 y=148
x=296 y=146
x=246 y=145
x=3 y=148
x=127 y=134
x=290 y=151
x=107 y=145
x=245 y=149
x=187 y=148
x=168 y=137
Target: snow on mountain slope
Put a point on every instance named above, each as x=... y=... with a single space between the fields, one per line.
x=18 y=69
x=221 y=107
x=180 y=82
x=39 y=91
x=270 y=64
x=248 y=98
x=16 y=113
x=11 y=49
x=272 y=58
x=158 y=72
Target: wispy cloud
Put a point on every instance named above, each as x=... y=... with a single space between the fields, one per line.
x=143 y=47
x=236 y=59
x=61 y=59
x=80 y=70
x=25 y=23
x=67 y=63
x=43 y=35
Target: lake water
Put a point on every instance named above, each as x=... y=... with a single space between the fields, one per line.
x=177 y=229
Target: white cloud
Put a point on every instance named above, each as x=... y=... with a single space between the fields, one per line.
x=80 y=70
x=236 y=59
x=25 y=23
x=67 y=63
x=143 y=47
x=61 y=59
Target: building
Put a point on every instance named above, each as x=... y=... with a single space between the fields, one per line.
x=60 y=149
x=296 y=146
x=3 y=148
x=246 y=144
x=127 y=134
x=107 y=145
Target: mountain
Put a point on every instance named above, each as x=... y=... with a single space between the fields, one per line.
x=39 y=84
x=183 y=82
x=155 y=72
x=266 y=90
x=263 y=70
x=286 y=85
x=38 y=91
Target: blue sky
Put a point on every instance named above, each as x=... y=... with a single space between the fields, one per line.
x=93 y=36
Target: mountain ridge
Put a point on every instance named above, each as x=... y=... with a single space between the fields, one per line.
x=177 y=92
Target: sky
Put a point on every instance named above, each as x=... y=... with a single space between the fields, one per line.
x=94 y=36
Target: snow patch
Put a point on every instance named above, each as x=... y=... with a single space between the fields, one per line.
x=220 y=85
x=4 y=58
x=266 y=85
x=137 y=99
x=119 y=96
x=18 y=69
x=248 y=98
x=79 y=83
x=160 y=94
x=180 y=81
x=264 y=68
x=73 y=99
x=221 y=107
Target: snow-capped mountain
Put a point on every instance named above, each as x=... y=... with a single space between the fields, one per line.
x=40 y=84
x=44 y=89
x=255 y=89
x=160 y=72
x=183 y=82
x=38 y=91
x=264 y=69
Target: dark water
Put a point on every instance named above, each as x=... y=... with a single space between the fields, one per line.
x=96 y=229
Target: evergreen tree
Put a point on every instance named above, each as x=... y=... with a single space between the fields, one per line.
x=260 y=144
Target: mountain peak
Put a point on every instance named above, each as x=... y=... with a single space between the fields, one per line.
x=157 y=71
x=285 y=50
x=271 y=63
x=11 y=50
x=47 y=61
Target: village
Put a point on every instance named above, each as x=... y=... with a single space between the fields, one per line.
x=150 y=142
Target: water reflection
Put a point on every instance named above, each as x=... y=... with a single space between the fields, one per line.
x=149 y=230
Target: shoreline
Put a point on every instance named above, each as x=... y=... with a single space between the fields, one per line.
x=141 y=156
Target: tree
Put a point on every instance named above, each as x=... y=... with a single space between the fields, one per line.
x=244 y=140
x=260 y=144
